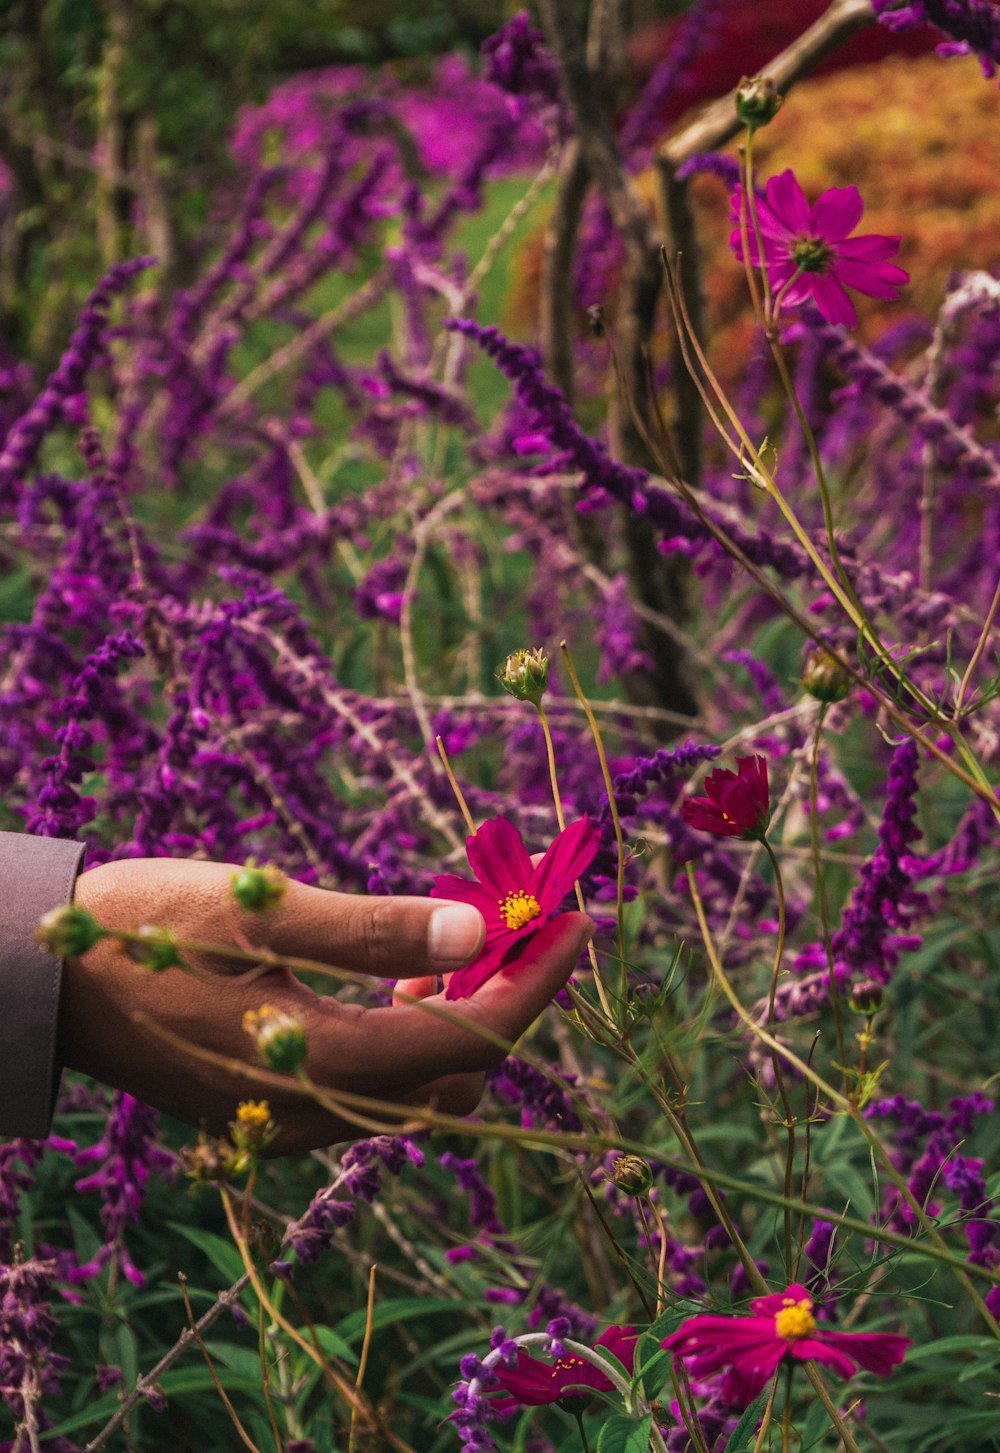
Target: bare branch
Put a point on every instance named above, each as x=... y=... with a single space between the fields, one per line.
x=718 y=122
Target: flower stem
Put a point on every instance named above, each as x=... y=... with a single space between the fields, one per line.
x=577 y=1415
x=455 y=787
x=768 y=1414
x=578 y=891
x=616 y=821
x=824 y=910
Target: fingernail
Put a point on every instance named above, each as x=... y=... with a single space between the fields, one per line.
x=454 y=934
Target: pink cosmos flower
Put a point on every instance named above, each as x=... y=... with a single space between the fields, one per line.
x=515 y=898
x=813 y=246
x=532 y=1382
x=738 y=803
x=783 y=1326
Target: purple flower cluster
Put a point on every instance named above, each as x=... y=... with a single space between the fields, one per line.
x=865 y=945
x=126 y=1156
x=28 y=1366
x=360 y=1177
x=24 y=438
x=928 y=1152
x=971 y=25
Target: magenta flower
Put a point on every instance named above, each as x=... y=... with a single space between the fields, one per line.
x=810 y=253
x=515 y=898
x=531 y=1382
x=738 y=803
x=784 y=1326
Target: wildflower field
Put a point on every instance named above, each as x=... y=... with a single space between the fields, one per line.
x=558 y=475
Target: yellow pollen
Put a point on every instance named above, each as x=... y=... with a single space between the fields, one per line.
x=252 y=1114
x=517 y=909
x=795 y=1320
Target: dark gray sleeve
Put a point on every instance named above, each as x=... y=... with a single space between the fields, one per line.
x=36 y=874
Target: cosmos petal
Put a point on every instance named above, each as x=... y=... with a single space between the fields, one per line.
x=870 y=247
x=499 y=858
x=876 y=279
x=788 y=203
x=832 y=301
x=836 y=213
x=569 y=855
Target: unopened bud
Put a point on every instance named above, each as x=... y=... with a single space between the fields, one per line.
x=757 y=101
x=258 y=888
x=824 y=677
x=525 y=674
x=153 y=947
x=631 y=1174
x=867 y=996
x=68 y=931
x=280 y=1038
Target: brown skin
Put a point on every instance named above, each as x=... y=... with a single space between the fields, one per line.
x=400 y=1053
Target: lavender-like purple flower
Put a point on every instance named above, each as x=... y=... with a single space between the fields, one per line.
x=25 y=438
x=971 y=25
x=126 y=1156
x=517 y=61
x=865 y=945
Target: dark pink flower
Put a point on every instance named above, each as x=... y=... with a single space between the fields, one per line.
x=783 y=1326
x=738 y=804
x=813 y=246
x=531 y=1382
x=515 y=898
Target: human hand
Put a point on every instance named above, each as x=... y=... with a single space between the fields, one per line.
x=404 y=1053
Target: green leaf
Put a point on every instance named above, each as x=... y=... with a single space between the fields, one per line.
x=744 y=1435
x=399 y=1309
x=622 y=1434
x=220 y=1252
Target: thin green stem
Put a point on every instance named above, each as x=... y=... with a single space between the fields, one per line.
x=768 y=1414
x=824 y=910
x=779 y=1079
x=846 y=1436
x=609 y=788
x=578 y=891
x=843 y=1103
x=344 y=1103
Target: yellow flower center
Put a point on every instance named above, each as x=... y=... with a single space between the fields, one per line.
x=517 y=909
x=795 y=1320
x=253 y=1114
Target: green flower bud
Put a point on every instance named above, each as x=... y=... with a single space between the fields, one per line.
x=68 y=931
x=525 y=674
x=280 y=1038
x=631 y=1174
x=258 y=888
x=757 y=101
x=824 y=677
x=867 y=996
x=153 y=947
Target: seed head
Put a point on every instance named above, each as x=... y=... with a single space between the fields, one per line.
x=280 y=1038
x=68 y=931
x=154 y=947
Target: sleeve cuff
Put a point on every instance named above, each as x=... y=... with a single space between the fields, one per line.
x=36 y=874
